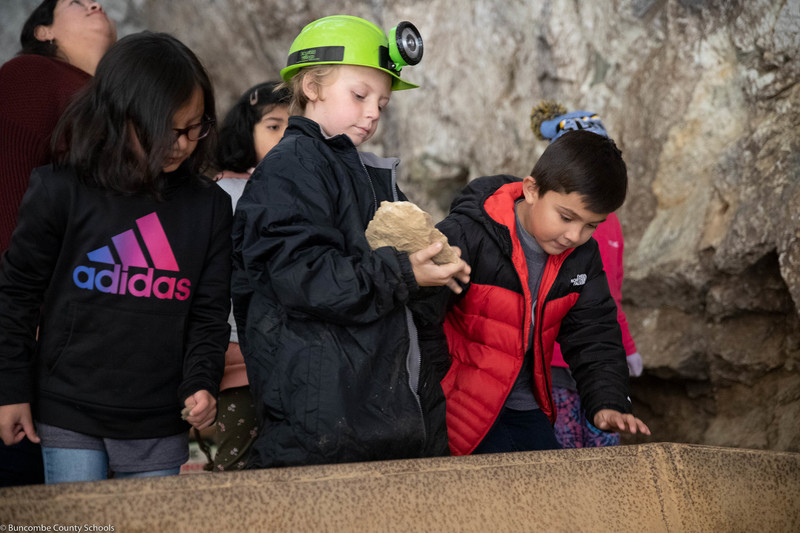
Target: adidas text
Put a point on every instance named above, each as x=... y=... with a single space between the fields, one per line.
x=141 y=285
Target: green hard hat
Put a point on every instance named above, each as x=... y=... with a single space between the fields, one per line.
x=346 y=40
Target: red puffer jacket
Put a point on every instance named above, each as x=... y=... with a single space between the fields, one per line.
x=488 y=329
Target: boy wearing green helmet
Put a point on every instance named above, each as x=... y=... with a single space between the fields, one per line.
x=337 y=367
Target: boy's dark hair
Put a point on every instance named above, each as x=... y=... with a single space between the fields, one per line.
x=118 y=133
x=586 y=163
x=42 y=15
x=236 y=149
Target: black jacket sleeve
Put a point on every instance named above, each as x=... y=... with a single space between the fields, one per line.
x=591 y=342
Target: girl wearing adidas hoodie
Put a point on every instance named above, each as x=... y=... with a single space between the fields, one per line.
x=121 y=261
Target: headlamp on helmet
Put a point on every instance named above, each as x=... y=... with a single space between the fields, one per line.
x=405 y=45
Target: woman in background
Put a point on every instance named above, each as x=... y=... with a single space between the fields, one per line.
x=62 y=42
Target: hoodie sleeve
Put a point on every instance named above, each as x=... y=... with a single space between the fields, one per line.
x=208 y=330
x=25 y=272
x=612 y=248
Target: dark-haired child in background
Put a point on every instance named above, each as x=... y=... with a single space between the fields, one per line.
x=252 y=127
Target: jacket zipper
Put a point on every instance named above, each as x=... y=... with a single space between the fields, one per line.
x=371 y=185
x=414 y=371
x=538 y=340
x=413 y=337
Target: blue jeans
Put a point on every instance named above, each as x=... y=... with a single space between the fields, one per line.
x=62 y=465
x=519 y=431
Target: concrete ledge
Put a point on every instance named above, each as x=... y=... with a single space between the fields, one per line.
x=650 y=487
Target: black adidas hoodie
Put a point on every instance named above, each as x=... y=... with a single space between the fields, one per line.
x=130 y=297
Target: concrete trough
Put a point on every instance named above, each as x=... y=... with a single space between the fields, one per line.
x=650 y=487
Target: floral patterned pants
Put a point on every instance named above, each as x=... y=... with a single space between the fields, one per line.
x=572 y=429
x=237 y=427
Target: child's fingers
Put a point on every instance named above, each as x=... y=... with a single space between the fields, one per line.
x=201 y=409
x=8 y=436
x=16 y=434
x=427 y=253
x=611 y=420
x=459 y=269
x=197 y=416
x=186 y=412
x=203 y=419
x=451 y=278
x=634 y=425
x=605 y=421
x=15 y=423
x=454 y=286
x=629 y=423
x=192 y=402
x=202 y=401
x=463 y=275
x=206 y=421
x=30 y=431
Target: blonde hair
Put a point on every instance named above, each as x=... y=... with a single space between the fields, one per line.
x=319 y=75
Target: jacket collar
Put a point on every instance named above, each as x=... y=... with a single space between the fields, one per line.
x=299 y=125
x=500 y=205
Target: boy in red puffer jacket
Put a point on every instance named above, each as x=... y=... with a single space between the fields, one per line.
x=537 y=277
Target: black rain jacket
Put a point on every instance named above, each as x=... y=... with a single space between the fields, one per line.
x=328 y=326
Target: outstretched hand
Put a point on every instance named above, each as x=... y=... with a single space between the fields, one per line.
x=429 y=274
x=16 y=422
x=611 y=420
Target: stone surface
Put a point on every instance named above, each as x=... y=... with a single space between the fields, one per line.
x=702 y=96
x=653 y=488
x=408 y=228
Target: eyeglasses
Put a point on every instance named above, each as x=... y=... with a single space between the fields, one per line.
x=195 y=132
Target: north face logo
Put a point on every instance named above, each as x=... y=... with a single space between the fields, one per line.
x=578 y=280
x=119 y=280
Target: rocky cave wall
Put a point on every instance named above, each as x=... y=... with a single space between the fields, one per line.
x=701 y=96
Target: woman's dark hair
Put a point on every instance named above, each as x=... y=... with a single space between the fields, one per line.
x=41 y=16
x=236 y=149
x=587 y=163
x=118 y=132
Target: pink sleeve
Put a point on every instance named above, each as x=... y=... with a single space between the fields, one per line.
x=609 y=238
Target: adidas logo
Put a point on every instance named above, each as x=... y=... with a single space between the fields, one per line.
x=119 y=280
x=580 y=279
